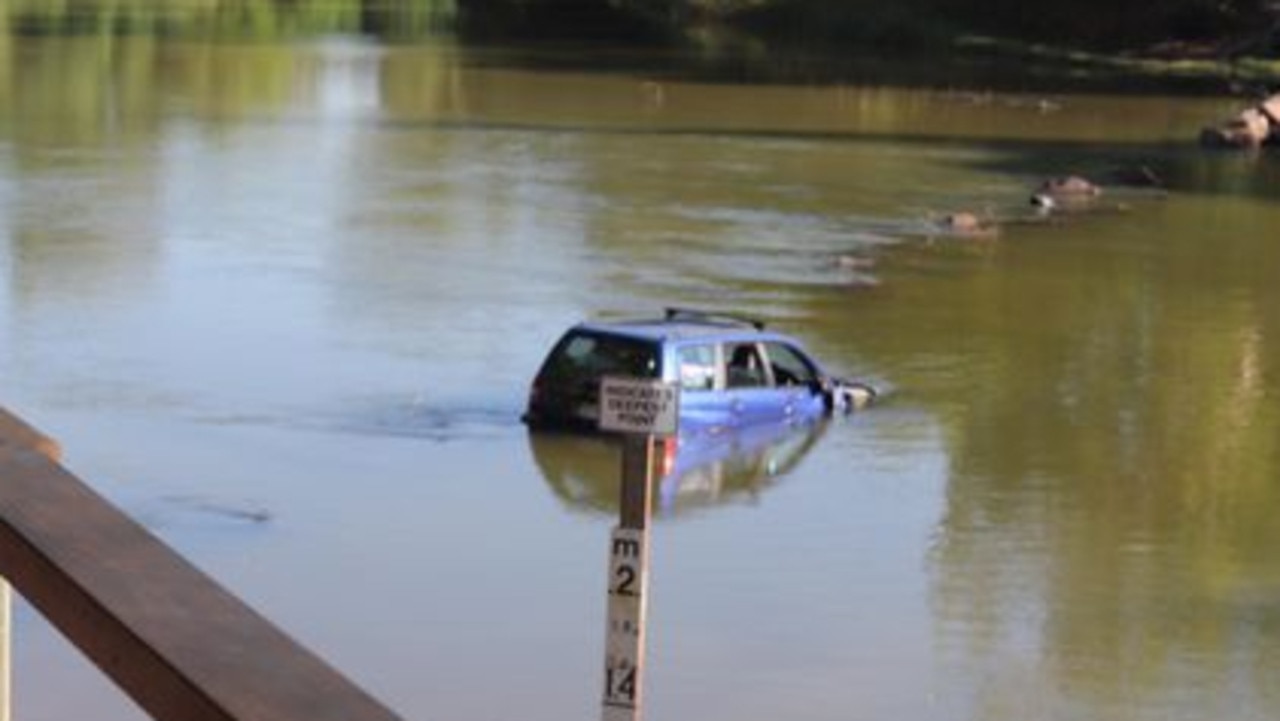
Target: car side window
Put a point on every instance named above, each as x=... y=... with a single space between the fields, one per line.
x=789 y=366
x=745 y=368
x=697 y=367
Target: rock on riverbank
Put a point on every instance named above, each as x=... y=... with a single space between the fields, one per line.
x=1253 y=127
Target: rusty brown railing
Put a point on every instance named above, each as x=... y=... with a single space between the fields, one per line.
x=173 y=639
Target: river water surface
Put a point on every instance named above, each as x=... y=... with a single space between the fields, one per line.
x=282 y=302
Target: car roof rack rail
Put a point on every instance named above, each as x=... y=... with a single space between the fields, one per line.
x=693 y=314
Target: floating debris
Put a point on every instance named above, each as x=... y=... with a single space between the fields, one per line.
x=1066 y=190
x=854 y=262
x=963 y=224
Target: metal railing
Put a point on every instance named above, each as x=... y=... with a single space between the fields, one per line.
x=179 y=644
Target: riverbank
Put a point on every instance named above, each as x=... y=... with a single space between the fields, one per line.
x=910 y=43
x=716 y=54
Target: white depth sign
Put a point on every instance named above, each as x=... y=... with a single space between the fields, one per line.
x=639 y=405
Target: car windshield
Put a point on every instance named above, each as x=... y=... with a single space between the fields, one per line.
x=592 y=355
x=789 y=366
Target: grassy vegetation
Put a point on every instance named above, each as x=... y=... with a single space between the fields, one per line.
x=243 y=18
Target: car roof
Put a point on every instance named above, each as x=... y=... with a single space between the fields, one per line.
x=679 y=324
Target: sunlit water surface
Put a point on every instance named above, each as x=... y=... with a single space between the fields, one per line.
x=281 y=304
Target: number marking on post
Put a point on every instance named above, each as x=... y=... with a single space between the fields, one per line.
x=624 y=634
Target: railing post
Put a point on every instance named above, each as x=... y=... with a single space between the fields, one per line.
x=16 y=433
x=6 y=652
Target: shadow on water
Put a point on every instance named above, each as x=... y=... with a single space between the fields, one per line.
x=585 y=471
x=202 y=512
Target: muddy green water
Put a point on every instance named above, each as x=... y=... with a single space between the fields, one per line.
x=281 y=303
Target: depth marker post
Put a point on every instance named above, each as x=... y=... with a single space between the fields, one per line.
x=643 y=410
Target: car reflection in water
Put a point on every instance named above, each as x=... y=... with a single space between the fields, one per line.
x=706 y=470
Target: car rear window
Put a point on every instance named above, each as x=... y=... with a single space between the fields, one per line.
x=592 y=355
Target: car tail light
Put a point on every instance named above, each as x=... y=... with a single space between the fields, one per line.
x=670 y=446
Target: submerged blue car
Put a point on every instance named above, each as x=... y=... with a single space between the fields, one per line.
x=731 y=372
